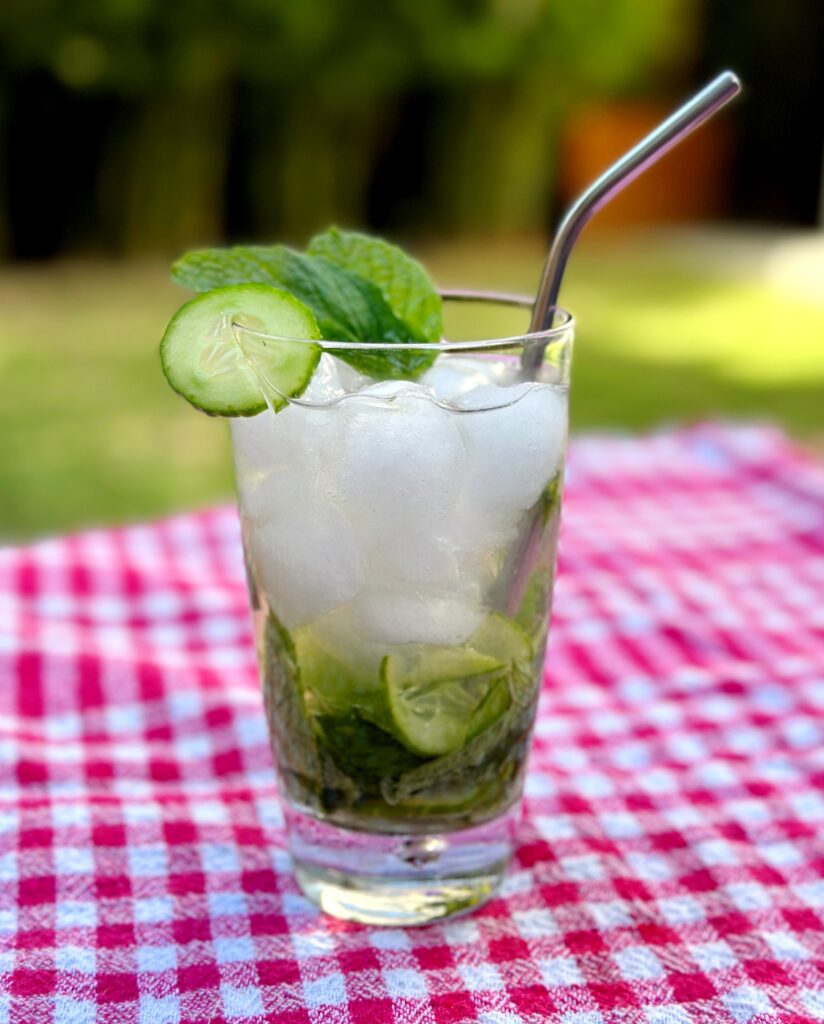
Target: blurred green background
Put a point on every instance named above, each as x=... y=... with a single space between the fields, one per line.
x=131 y=130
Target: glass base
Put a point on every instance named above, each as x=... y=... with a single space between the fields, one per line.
x=399 y=880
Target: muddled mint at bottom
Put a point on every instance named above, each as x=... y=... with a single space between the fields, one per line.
x=354 y=756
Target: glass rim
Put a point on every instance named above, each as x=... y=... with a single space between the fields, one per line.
x=548 y=336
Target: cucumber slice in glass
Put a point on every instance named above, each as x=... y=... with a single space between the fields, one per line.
x=432 y=694
x=203 y=360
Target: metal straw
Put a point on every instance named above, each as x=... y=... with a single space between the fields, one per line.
x=651 y=148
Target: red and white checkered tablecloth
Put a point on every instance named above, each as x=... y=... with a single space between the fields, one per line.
x=671 y=863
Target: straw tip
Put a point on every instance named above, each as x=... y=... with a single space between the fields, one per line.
x=731 y=80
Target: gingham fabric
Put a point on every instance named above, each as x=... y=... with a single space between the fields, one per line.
x=671 y=860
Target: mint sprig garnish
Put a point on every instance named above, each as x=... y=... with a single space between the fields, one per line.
x=403 y=281
x=387 y=299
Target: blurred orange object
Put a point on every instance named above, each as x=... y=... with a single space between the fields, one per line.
x=691 y=182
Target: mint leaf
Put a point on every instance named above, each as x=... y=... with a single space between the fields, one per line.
x=310 y=774
x=533 y=611
x=346 y=305
x=550 y=497
x=403 y=282
x=368 y=753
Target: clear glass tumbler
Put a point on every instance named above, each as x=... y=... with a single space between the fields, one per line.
x=400 y=541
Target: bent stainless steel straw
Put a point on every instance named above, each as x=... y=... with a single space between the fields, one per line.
x=651 y=148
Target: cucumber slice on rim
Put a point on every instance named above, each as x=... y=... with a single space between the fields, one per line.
x=432 y=694
x=203 y=360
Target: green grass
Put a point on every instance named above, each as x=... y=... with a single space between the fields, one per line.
x=90 y=433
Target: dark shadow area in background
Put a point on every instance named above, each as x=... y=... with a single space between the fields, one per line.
x=777 y=47
x=100 y=168
x=54 y=143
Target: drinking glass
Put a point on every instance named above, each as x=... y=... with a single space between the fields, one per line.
x=400 y=540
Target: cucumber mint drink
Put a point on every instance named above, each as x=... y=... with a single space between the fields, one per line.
x=399 y=498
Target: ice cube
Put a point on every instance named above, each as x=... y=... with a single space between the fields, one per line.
x=402 y=460
x=481 y=551
x=307 y=562
x=391 y=615
x=336 y=633
x=418 y=558
x=284 y=460
x=391 y=389
x=332 y=379
x=253 y=442
x=452 y=376
x=515 y=440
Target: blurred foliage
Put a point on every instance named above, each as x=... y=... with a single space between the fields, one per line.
x=318 y=92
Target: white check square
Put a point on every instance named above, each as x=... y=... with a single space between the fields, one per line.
x=78 y=1011
x=219 y=857
x=585 y=1017
x=330 y=990
x=241 y=1002
x=535 y=924
x=461 y=932
x=812 y=893
x=75 y=958
x=785 y=946
x=813 y=1000
x=389 y=938
x=153 y=910
x=620 y=825
x=586 y=868
x=713 y=956
x=651 y=866
x=227 y=904
x=8 y=867
x=481 y=977
x=667 y=1015
x=748 y=896
x=75 y=914
x=746 y=1002
x=560 y=972
x=637 y=963
x=402 y=983
x=156 y=958
x=232 y=950
x=159 y=1010
x=780 y=854
x=610 y=914
x=679 y=910
x=208 y=812
x=73 y=860
x=715 y=851
x=553 y=827
x=148 y=861
x=313 y=944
